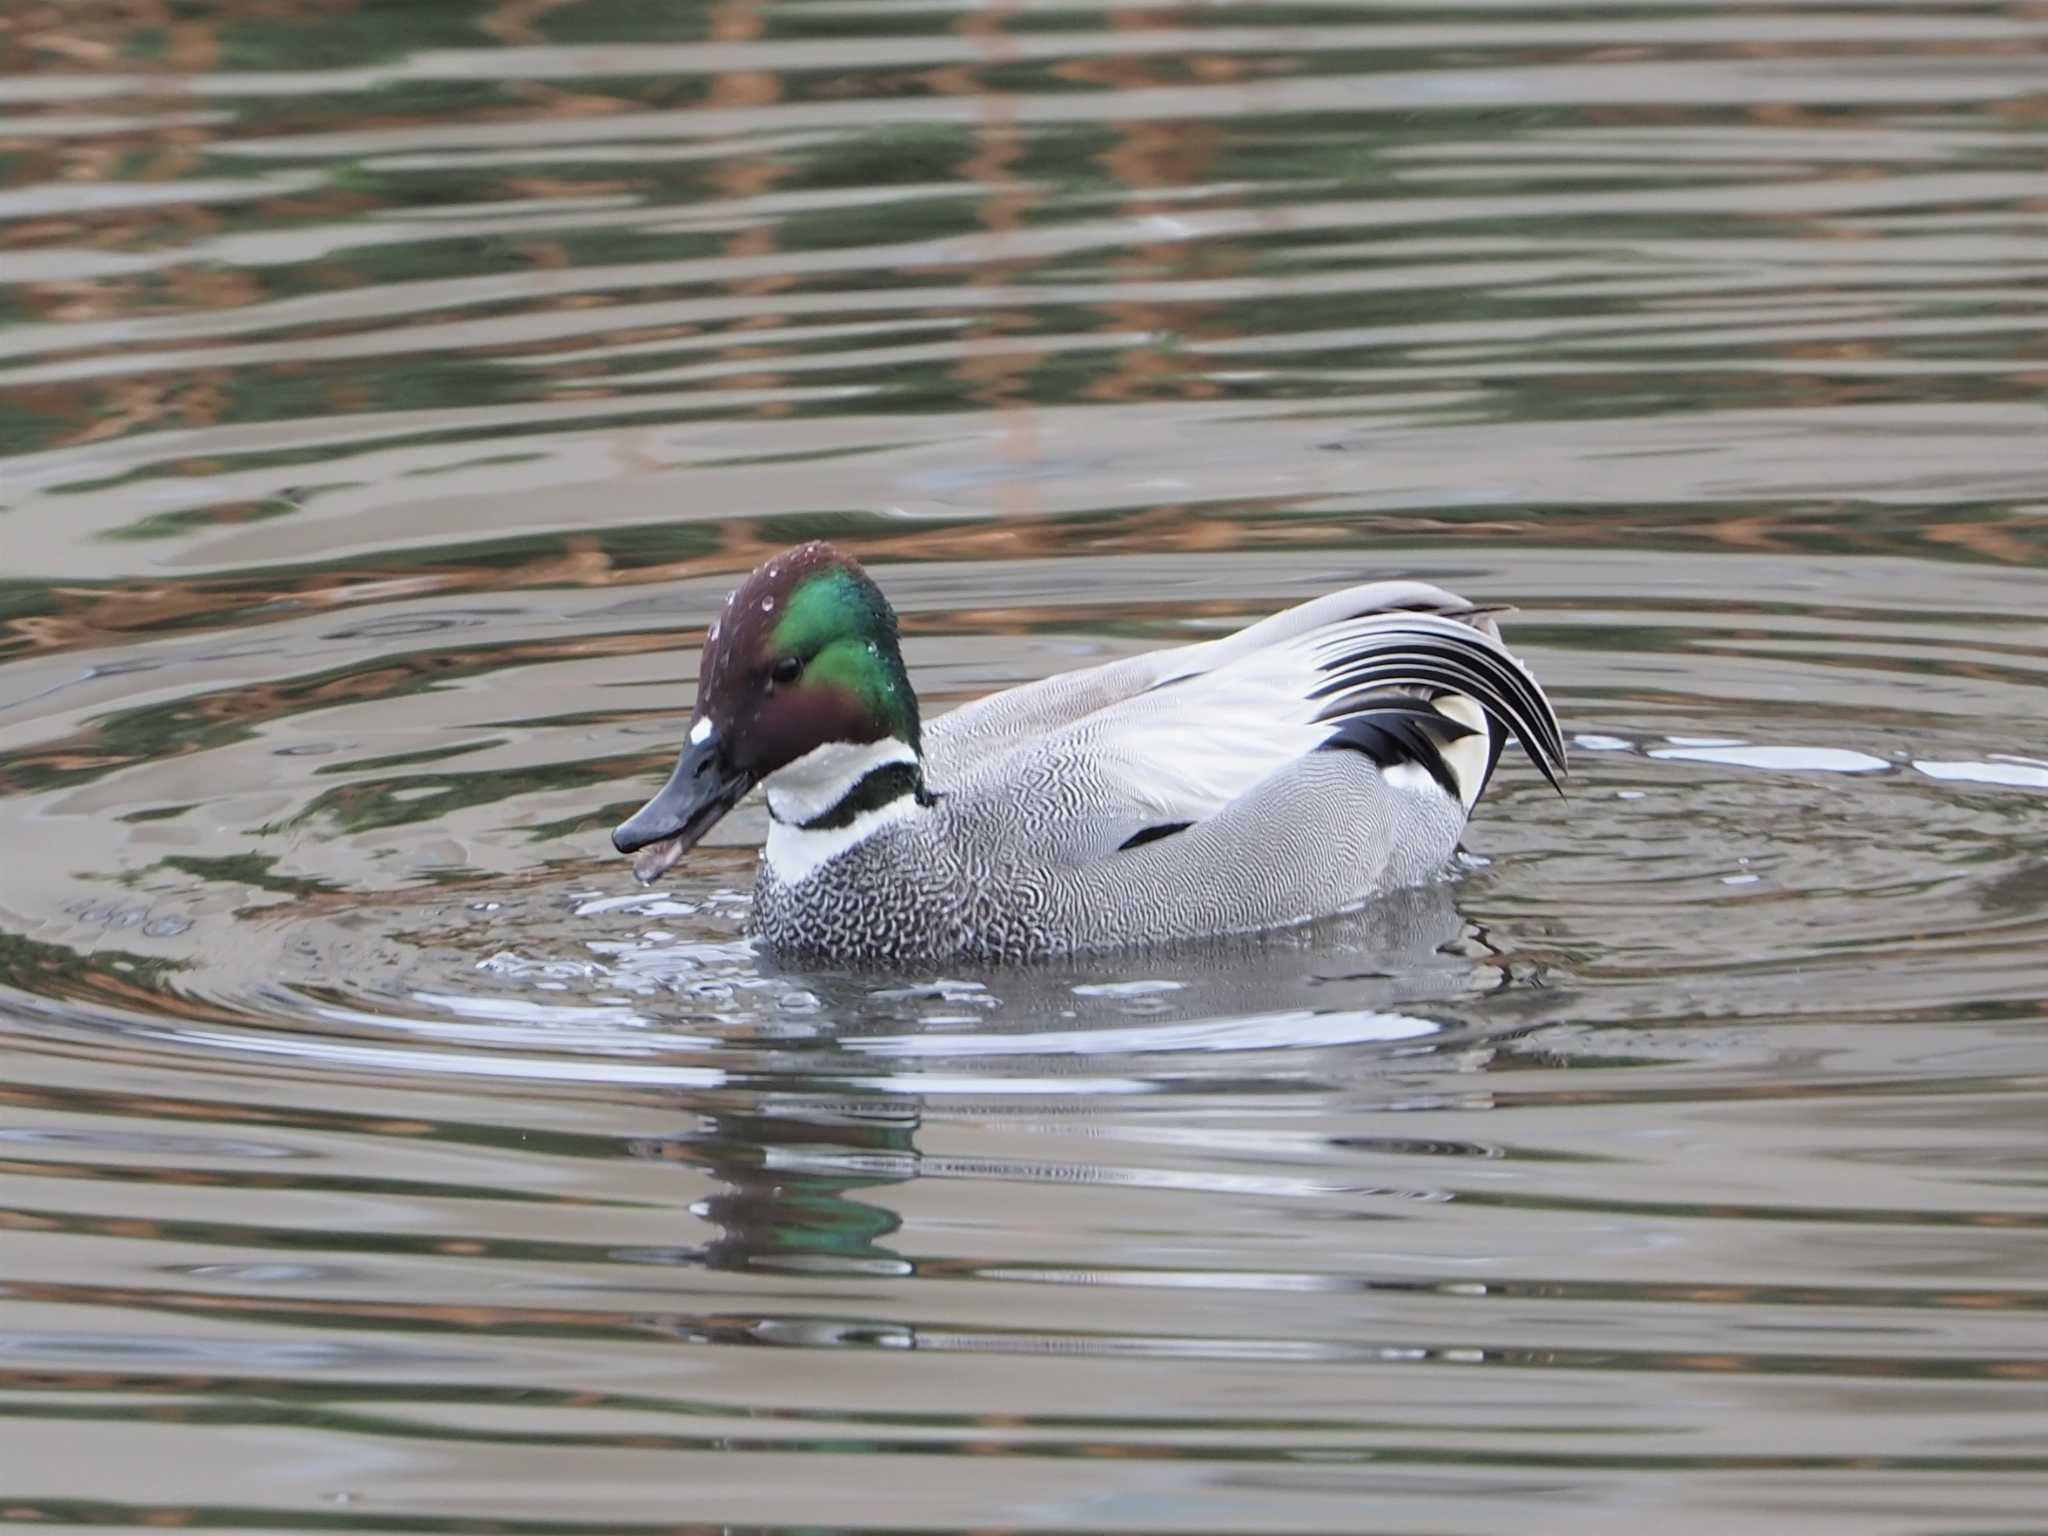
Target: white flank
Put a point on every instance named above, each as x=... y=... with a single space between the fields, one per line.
x=811 y=786
x=1411 y=776
x=1466 y=757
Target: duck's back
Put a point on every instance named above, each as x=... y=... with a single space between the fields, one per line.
x=970 y=737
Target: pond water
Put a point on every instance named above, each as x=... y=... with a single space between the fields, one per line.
x=389 y=394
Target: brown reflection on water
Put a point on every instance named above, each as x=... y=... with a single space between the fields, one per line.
x=740 y=177
x=991 y=371
x=396 y=390
x=1151 y=159
x=81 y=616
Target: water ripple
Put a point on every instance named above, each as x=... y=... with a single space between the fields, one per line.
x=389 y=401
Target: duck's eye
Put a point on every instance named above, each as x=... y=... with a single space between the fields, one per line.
x=786 y=669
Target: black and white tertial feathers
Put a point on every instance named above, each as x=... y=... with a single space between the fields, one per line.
x=1429 y=659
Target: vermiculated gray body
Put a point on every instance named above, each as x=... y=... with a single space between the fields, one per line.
x=968 y=879
x=1046 y=832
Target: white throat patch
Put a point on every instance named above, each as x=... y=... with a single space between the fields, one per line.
x=811 y=786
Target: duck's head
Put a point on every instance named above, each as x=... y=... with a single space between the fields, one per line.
x=802 y=658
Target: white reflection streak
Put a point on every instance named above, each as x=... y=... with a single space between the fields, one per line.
x=1003 y=1087
x=1782 y=759
x=1269 y=1031
x=2018 y=773
x=394 y=1059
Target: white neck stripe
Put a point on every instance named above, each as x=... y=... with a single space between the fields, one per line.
x=812 y=785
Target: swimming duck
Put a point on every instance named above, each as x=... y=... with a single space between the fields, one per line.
x=1297 y=768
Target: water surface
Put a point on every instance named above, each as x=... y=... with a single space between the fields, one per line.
x=388 y=397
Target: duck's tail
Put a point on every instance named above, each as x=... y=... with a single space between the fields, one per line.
x=1436 y=687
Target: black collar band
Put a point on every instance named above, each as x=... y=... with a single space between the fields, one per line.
x=882 y=786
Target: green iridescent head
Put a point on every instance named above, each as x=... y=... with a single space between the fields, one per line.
x=803 y=655
x=810 y=642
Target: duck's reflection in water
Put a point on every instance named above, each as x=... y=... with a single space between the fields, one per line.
x=795 y=1171
x=787 y=1168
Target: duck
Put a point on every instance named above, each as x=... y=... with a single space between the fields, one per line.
x=1298 y=768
